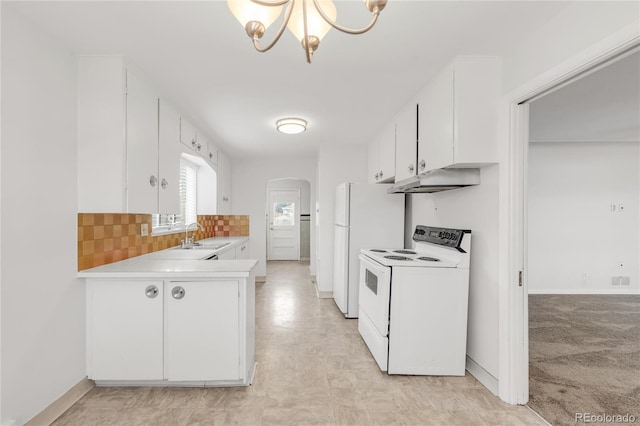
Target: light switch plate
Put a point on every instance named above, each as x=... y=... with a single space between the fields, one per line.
x=144 y=229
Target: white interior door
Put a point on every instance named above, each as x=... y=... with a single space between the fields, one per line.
x=284 y=224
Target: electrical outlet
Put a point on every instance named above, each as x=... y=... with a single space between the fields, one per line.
x=615 y=280
x=144 y=229
x=625 y=281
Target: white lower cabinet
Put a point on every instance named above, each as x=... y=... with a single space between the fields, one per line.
x=124 y=330
x=171 y=331
x=202 y=331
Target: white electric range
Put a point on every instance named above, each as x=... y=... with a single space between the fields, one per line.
x=413 y=303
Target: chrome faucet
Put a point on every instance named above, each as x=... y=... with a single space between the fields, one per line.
x=190 y=241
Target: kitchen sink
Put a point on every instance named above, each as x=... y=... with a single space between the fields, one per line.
x=201 y=246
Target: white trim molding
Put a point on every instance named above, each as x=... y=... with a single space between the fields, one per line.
x=594 y=291
x=62 y=404
x=482 y=375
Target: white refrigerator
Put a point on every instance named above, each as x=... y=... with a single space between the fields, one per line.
x=366 y=217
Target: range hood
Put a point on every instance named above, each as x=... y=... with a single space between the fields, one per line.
x=437 y=180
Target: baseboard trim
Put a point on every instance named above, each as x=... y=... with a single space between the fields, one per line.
x=322 y=294
x=602 y=291
x=62 y=404
x=261 y=278
x=482 y=375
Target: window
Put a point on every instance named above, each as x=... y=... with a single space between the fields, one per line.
x=188 y=191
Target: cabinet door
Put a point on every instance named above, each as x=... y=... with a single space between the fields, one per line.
x=169 y=159
x=202 y=144
x=124 y=330
x=388 y=153
x=374 y=161
x=224 y=184
x=229 y=254
x=406 y=142
x=242 y=251
x=212 y=153
x=435 y=145
x=202 y=331
x=188 y=134
x=142 y=147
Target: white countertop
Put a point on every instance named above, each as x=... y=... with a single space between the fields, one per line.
x=178 y=263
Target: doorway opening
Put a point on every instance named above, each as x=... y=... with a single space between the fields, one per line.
x=580 y=241
x=288 y=213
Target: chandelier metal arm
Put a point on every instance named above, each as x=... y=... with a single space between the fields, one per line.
x=256 y=39
x=270 y=3
x=306 y=32
x=375 y=12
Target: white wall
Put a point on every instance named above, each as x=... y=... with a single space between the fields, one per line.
x=474 y=208
x=337 y=163
x=249 y=182
x=572 y=187
x=43 y=320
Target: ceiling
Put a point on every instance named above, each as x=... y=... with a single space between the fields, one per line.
x=602 y=106
x=200 y=58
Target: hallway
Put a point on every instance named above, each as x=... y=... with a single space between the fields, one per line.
x=312 y=368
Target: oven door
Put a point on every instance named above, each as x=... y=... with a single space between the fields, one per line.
x=373 y=314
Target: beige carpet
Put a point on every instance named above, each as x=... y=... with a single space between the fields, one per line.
x=584 y=356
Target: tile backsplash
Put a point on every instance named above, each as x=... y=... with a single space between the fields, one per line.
x=109 y=237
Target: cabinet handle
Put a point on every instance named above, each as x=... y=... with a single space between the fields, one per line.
x=242 y=248
x=153 y=180
x=211 y=156
x=193 y=143
x=377 y=176
x=422 y=165
x=151 y=291
x=177 y=292
x=381 y=174
x=410 y=168
x=164 y=183
x=199 y=147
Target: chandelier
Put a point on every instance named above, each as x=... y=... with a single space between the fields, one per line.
x=308 y=20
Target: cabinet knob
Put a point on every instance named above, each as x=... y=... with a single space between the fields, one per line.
x=193 y=142
x=411 y=168
x=177 y=292
x=422 y=165
x=151 y=291
x=164 y=183
x=242 y=248
x=153 y=180
x=381 y=174
x=211 y=155
x=199 y=147
x=377 y=176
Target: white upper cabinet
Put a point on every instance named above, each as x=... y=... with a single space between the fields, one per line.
x=142 y=146
x=458 y=115
x=188 y=134
x=388 y=153
x=374 y=161
x=212 y=153
x=169 y=159
x=406 y=141
x=224 y=184
x=382 y=154
x=101 y=130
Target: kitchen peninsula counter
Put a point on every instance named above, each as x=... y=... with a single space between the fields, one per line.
x=172 y=318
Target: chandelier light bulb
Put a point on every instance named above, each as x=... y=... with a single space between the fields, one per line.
x=247 y=11
x=316 y=25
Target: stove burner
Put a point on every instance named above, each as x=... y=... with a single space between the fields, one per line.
x=398 y=257
x=405 y=251
x=429 y=259
x=378 y=250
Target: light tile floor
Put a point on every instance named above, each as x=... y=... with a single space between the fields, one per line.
x=313 y=369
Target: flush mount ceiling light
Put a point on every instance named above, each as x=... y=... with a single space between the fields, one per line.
x=308 y=20
x=291 y=125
